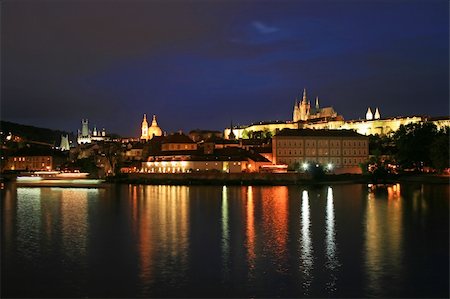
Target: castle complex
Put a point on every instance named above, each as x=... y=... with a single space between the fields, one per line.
x=307 y=117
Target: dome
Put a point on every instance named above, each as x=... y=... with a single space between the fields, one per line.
x=154 y=130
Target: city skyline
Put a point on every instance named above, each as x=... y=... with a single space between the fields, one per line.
x=202 y=64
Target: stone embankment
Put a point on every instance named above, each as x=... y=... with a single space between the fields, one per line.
x=234 y=179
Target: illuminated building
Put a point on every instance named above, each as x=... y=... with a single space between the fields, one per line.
x=303 y=110
x=307 y=117
x=134 y=151
x=178 y=141
x=147 y=132
x=64 y=146
x=31 y=159
x=86 y=136
x=341 y=150
x=231 y=160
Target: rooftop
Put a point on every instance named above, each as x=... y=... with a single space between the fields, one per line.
x=319 y=133
x=177 y=138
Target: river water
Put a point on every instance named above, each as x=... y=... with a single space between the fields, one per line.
x=198 y=241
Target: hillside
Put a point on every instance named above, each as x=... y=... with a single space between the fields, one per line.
x=31 y=133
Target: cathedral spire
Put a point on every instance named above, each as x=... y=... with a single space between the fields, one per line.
x=231 y=136
x=317 y=104
x=144 y=128
x=304 y=95
x=154 y=123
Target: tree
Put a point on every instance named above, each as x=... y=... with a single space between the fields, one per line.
x=439 y=152
x=316 y=170
x=412 y=142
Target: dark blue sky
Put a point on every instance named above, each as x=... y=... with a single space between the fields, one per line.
x=198 y=64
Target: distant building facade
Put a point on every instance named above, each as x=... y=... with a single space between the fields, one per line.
x=31 y=159
x=229 y=160
x=344 y=150
x=178 y=141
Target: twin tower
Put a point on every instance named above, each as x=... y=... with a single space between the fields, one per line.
x=149 y=132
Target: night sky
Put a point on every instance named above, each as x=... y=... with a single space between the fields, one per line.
x=199 y=64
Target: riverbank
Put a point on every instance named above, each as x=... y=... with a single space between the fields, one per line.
x=232 y=179
x=269 y=179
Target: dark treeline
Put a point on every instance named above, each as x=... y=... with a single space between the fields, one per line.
x=412 y=147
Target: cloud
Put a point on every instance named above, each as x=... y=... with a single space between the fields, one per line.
x=263 y=28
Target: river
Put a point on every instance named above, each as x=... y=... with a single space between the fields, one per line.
x=218 y=241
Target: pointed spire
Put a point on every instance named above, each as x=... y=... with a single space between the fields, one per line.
x=317 y=104
x=145 y=116
x=369 y=115
x=377 y=114
x=304 y=95
x=231 y=136
x=154 y=123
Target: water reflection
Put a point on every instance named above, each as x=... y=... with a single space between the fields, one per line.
x=250 y=232
x=383 y=246
x=199 y=241
x=275 y=226
x=9 y=216
x=74 y=222
x=225 y=232
x=28 y=221
x=160 y=215
x=306 y=248
x=332 y=262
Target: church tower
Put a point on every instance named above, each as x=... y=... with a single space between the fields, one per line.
x=84 y=128
x=144 y=128
x=305 y=107
x=296 y=113
x=231 y=136
x=377 y=114
x=85 y=135
x=64 y=145
x=369 y=115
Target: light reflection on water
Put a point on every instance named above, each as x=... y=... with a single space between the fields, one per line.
x=332 y=262
x=162 y=224
x=306 y=247
x=28 y=222
x=250 y=233
x=142 y=241
x=383 y=246
x=225 y=234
